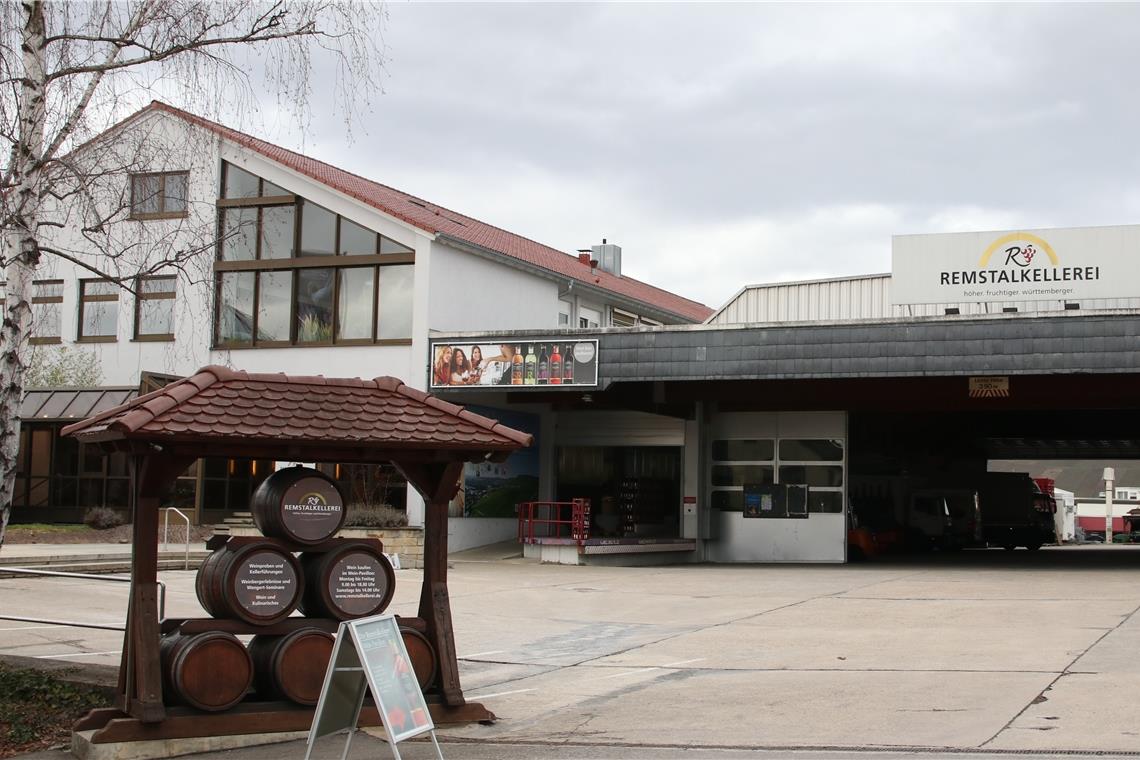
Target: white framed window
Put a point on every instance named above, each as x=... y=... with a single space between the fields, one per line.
x=589 y=318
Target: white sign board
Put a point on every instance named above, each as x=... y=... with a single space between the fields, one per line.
x=1022 y=265
x=370 y=655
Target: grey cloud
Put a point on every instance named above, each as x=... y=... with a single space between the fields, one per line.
x=721 y=120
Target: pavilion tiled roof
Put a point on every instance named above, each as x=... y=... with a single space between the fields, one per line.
x=224 y=404
x=438 y=220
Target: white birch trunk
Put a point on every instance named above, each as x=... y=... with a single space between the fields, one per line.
x=22 y=229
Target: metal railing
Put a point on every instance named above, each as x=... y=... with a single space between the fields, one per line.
x=554 y=519
x=83 y=576
x=166 y=532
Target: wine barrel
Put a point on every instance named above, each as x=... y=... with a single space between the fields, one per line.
x=259 y=583
x=421 y=651
x=352 y=581
x=298 y=504
x=292 y=666
x=210 y=671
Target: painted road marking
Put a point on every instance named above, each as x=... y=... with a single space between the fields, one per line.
x=682 y=662
x=630 y=673
x=500 y=694
x=77 y=654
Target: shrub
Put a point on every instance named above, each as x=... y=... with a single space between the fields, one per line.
x=102 y=518
x=381 y=516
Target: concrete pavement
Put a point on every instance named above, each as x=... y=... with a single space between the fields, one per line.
x=978 y=652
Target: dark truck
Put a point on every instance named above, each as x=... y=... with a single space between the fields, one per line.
x=1015 y=511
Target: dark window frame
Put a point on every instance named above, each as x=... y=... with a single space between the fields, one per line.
x=85 y=299
x=162 y=213
x=338 y=262
x=141 y=295
x=41 y=340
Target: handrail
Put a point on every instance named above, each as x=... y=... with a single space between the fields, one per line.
x=84 y=576
x=546 y=519
x=166 y=532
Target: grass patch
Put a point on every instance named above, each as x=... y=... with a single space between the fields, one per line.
x=37 y=709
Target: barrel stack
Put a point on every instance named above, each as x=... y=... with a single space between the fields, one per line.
x=252 y=585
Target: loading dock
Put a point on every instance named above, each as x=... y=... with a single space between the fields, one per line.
x=882 y=397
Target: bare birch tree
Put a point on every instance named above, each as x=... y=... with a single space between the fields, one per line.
x=68 y=70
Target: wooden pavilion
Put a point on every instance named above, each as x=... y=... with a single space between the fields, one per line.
x=219 y=412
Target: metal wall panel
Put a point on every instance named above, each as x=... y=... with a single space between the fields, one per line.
x=865 y=297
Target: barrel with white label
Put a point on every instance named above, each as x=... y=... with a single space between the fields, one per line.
x=259 y=583
x=352 y=581
x=298 y=504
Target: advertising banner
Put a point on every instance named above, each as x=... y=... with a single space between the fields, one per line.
x=1023 y=265
x=548 y=363
x=493 y=489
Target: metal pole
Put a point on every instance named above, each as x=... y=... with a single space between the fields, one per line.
x=1109 y=477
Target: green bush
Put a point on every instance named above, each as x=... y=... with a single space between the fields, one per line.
x=381 y=516
x=102 y=518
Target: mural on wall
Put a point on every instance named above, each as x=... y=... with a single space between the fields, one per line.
x=548 y=362
x=492 y=489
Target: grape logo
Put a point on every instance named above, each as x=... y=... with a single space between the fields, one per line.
x=1019 y=249
x=1021 y=261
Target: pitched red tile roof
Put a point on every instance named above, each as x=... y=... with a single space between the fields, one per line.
x=221 y=404
x=438 y=220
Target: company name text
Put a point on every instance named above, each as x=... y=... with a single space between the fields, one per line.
x=1010 y=276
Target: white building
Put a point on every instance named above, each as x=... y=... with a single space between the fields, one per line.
x=284 y=264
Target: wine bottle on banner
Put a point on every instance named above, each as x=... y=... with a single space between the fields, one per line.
x=531 y=366
x=568 y=366
x=517 y=367
x=555 y=366
x=543 y=365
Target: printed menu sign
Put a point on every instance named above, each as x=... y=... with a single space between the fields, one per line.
x=370 y=655
x=550 y=363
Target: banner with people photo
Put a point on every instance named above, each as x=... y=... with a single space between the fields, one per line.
x=548 y=363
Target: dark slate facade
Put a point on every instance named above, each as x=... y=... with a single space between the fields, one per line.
x=1007 y=345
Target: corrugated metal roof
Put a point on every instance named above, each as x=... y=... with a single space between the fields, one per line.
x=70 y=404
x=863 y=297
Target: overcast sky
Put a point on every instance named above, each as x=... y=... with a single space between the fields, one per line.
x=722 y=145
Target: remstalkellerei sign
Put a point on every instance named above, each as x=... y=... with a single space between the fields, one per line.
x=548 y=363
x=311 y=508
x=1022 y=265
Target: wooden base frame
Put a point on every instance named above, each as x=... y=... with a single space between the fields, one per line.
x=112 y=725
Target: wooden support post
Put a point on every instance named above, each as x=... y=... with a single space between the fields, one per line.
x=152 y=474
x=438 y=484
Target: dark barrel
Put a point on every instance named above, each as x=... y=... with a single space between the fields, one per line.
x=422 y=653
x=298 y=504
x=210 y=671
x=293 y=666
x=354 y=580
x=259 y=583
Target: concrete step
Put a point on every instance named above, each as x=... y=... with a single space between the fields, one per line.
x=112 y=562
x=104 y=566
